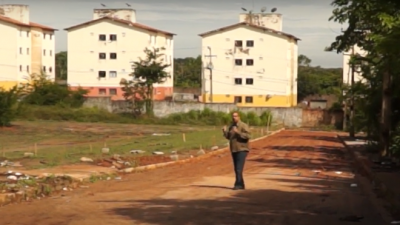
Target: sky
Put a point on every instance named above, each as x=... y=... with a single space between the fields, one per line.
x=306 y=19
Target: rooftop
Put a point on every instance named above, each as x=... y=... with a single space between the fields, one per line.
x=31 y=24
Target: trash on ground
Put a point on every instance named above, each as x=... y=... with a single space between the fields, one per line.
x=395 y=222
x=353 y=185
x=161 y=134
x=338 y=172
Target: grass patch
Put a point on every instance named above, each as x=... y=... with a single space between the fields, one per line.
x=58 y=143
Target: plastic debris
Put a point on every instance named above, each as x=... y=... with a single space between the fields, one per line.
x=353 y=185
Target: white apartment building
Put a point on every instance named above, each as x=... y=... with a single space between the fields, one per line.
x=253 y=63
x=347 y=68
x=101 y=52
x=26 y=47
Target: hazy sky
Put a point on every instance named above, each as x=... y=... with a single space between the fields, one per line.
x=306 y=19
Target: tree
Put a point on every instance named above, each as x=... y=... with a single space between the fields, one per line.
x=146 y=72
x=187 y=72
x=61 y=66
x=317 y=80
x=9 y=106
x=374 y=26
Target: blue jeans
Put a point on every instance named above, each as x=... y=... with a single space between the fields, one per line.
x=239 y=158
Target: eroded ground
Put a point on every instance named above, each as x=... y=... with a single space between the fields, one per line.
x=294 y=177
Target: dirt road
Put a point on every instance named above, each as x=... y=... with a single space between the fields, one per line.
x=282 y=189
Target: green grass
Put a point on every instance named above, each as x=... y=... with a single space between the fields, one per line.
x=66 y=142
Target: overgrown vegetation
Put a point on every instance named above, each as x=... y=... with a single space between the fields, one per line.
x=9 y=107
x=374 y=26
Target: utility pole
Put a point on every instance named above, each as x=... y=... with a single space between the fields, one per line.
x=210 y=67
x=351 y=132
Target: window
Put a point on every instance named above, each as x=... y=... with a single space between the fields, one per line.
x=113 y=37
x=113 y=74
x=113 y=55
x=20 y=68
x=102 y=55
x=102 y=91
x=20 y=33
x=51 y=37
x=249 y=62
x=238 y=62
x=113 y=91
x=27 y=69
x=44 y=68
x=27 y=51
x=44 y=36
x=102 y=74
x=249 y=81
x=249 y=99
x=27 y=33
x=238 y=99
x=44 y=51
x=249 y=43
x=50 y=69
x=102 y=37
x=238 y=80
x=238 y=43
x=51 y=53
x=20 y=50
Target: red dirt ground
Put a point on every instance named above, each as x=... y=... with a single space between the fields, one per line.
x=282 y=189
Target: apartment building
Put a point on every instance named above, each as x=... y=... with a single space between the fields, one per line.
x=347 y=73
x=26 y=47
x=251 y=63
x=101 y=52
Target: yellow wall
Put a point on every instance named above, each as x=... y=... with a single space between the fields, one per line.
x=258 y=100
x=8 y=84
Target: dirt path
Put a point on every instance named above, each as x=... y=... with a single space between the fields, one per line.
x=282 y=190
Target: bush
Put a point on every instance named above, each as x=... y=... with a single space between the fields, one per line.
x=9 y=106
x=193 y=117
x=43 y=92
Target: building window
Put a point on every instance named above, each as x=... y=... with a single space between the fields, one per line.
x=113 y=37
x=249 y=81
x=238 y=99
x=249 y=99
x=102 y=37
x=20 y=68
x=27 y=33
x=102 y=55
x=44 y=36
x=50 y=69
x=238 y=81
x=249 y=62
x=20 y=33
x=51 y=53
x=238 y=62
x=51 y=37
x=113 y=55
x=44 y=51
x=113 y=74
x=27 y=69
x=102 y=74
x=113 y=91
x=27 y=51
x=20 y=51
x=44 y=68
x=238 y=43
x=102 y=91
x=250 y=43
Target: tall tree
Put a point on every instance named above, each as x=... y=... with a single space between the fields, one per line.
x=187 y=72
x=61 y=66
x=374 y=26
x=146 y=73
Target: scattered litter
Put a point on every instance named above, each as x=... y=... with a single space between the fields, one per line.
x=213 y=148
x=297 y=174
x=158 y=153
x=118 y=178
x=65 y=189
x=353 y=185
x=105 y=150
x=161 y=134
x=174 y=157
x=338 y=172
x=85 y=159
x=12 y=177
x=317 y=171
x=7 y=163
x=395 y=222
x=137 y=151
x=28 y=154
x=201 y=152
